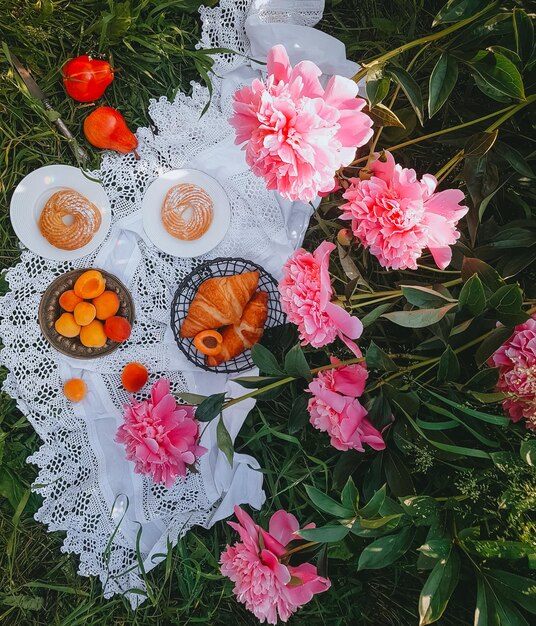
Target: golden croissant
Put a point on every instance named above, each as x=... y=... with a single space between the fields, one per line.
x=246 y=333
x=219 y=302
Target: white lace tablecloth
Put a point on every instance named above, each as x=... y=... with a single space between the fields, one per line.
x=89 y=489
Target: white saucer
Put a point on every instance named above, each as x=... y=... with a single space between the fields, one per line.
x=152 y=220
x=30 y=197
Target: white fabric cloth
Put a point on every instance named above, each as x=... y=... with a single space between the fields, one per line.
x=90 y=491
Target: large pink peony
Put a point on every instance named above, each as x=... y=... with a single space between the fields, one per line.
x=397 y=216
x=264 y=581
x=516 y=360
x=306 y=299
x=160 y=436
x=299 y=134
x=335 y=408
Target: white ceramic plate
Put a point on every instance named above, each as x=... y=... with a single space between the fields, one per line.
x=30 y=197
x=152 y=220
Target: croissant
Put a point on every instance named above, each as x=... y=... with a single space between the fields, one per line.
x=219 y=302
x=246 y=332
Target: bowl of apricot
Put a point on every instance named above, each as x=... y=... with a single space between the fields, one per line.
x=86 y=313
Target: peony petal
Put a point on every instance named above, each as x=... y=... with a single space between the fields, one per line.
x=278 y=64
x=283 y=526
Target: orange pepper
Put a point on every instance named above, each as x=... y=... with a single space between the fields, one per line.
x=208 y=342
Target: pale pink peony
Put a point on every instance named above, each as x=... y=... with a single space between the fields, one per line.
x=306 y=299
x=268 y=587
x=516 y=360
x=335 y=408
x=160 y=436
x=299 y=134
x=397 y=216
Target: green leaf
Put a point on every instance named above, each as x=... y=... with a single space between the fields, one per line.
x=265 y=360
x=438 y=588
x=374 y=504
x=498 y=420
x=397 y=475
x=442 y=82
x=371 y=317
x=436 y=548
x=210 y=408
x=350 y=495
x=449 y=367
x=296 y=364
x=517 y=588
x=480 y=143
x=191 y=398
x=507 y=299
x=327 y=504
x=515 y=159
x=491 y=343
x=410 y=88
x=325 y=534
x=523 y=33
x=485 y=608
x=457 y=10
x=423 y=296
x=256 y=382
x=423 y=509
x=377 y=86
x=378 y=522
x=376 y=358
x=499 y=549
x=383 y=116
x=472 y=296
x=527 y=452
x=419 y=318
x=489 y=277
x=386 y=550
x=498 y=73
x=299 y=415
x=484 y=380
x=225 y=443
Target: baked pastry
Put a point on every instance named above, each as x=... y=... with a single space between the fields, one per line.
x=219 y=302
x=69 y=220
x=246 y=333
x=187 y=212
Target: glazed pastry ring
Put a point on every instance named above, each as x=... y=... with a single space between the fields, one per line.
x=187 y=212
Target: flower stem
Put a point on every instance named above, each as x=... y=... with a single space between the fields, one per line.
x=299 y=548
x=417 y=42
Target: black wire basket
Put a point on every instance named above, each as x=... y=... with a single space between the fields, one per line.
x=186 y=292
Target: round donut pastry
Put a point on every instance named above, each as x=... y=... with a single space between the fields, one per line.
x=84 y=220
x=187 y=212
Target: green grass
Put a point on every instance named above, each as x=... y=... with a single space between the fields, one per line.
x=154 y=50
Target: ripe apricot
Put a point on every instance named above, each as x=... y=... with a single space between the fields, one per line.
x=117 y=328
x=107 y=304
x=66 y=325
x=68 y=300
x=134 y=376
x=92 y=335
x=75 y=389
x=90 y=284
x=84 y=313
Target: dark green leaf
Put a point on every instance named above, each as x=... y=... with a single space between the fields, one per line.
x=514 y=158
x=377 y=86
x=397 y=475
x=376 y=358
x=419 y=318
x=442 y=82
x=436 y=548
x=296 y=364
x=498 y=73
x=485 y=614
x=424 y=297
x=499 y=548
x=472 y=296
x=371 y=317
x=485 y=380
x=456 y=10
x=477 y=145
x=524 y=34
x=527 y=452
x=498 y=420
x=386 y=550
x=449 y=367
x=191 y=398
x=379 y=522
x=225 y=443
x=491 y=343
x=299 y=415
x=410 y=88
x=256 y=382
x=518 y=588
x=327 y=504
x=325 y=534
x=265 y=360
x=507 y=299
x=210 y=408
x=374 y=504
x=489 y=277
x=380 y=412
x=438 y=588
x=423 y=509
x=350 y=495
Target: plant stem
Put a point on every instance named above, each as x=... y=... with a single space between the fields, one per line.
x=299 y=548
x=417 y=42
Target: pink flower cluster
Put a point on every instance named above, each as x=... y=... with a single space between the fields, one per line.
x=335 y=408
x=397 y=216
x=306 y=299
x=516 y=360
x=264 y=582
x=160 y=436
x=299 y=134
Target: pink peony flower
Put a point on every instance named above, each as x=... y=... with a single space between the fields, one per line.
x=299 y=134
x=335 y=408
x=397 y=216
x=264 y=582
x=516 y=360
x=160 y=436
x=306 y=299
